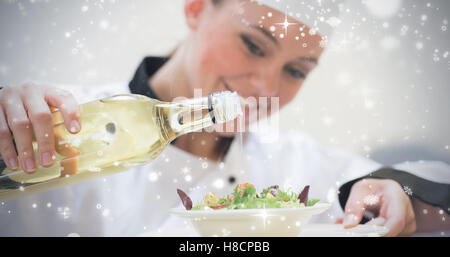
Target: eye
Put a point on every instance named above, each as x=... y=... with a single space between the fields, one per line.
x=295 y=73
x=252 y=47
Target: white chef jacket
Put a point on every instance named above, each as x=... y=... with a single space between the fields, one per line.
x=138 y=200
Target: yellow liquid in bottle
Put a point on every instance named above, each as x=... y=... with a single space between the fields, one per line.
x=116 y=134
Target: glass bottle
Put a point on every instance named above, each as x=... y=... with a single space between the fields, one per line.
x=117 y=133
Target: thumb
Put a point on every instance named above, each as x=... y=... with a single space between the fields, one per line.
x=354 y=208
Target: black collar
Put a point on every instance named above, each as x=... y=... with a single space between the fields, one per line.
x=139 y=84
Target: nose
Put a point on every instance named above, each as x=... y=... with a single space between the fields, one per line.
x=266 y=81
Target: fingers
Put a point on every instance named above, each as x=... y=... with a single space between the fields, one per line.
x=411 y=225
x=338 y=221
x=7 y=149
x=385 y=197
x=41 y=118
x=379 y=221
x=395 y=225
x=394 y=210
x=354 y=208
x=21 y=128
x=410 y=228
x=68 y=107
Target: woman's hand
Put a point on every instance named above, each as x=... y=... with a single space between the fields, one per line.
x=26 y=109
x=385 y=199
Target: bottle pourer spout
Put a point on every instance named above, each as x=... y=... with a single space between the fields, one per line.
x=224 y=106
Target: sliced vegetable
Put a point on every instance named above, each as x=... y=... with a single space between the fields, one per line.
x=185 y=199
x=303 y=196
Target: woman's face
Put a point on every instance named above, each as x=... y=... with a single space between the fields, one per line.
x=244 y=47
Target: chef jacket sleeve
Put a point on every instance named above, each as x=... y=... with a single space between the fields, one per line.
x=428 y=181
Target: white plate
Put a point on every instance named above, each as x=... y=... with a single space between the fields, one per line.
x=310 y=230
x=251 y=222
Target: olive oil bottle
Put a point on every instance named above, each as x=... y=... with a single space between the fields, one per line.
x=117 y=133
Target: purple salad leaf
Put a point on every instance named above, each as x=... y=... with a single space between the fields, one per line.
x=303 y=196
x=185 y=199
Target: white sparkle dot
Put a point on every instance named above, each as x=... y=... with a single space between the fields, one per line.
x=425 y=211
x=104 y=24
x=441 y=212
x=371 y=199
x=34 y=205
x=327 y=120
x=407 y=190
x=152 y=176
x=188 y=178
x=105 y=212
x=419 y=45
x=84 y=8
x=98 y=206
x=94 y=169
x=218 y=183
x=269 y=14
x=204 y=165
x=272 y=28
x=49 y=205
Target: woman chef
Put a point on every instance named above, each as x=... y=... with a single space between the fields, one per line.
x=259 y=49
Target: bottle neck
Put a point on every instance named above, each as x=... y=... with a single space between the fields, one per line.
x=191 y=115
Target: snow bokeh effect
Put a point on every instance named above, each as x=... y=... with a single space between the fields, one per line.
x=86 y=42
x=381 y=88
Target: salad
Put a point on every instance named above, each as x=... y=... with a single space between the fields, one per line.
x=245 y=196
